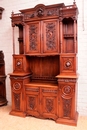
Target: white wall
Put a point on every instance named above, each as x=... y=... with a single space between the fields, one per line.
x=6 y=42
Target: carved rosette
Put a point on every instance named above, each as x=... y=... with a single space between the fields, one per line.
x=68 y=64
x=67 y=90
x=33 y=29
x=49 y=105
x=16 y=86
x=19 y=64
x=50 y=36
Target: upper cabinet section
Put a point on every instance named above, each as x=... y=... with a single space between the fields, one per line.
x=41 y=37
x=47 y=30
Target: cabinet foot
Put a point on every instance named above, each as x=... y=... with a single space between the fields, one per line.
x=18 y=113
x=65 y=121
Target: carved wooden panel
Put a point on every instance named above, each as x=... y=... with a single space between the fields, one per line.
x=50 y=36
x=66 y=100
x=32 y=101
x=49 y=103
x=20 y=64
x=68 y=64
x=17 y=101
x=33 y=37
x=17 y=95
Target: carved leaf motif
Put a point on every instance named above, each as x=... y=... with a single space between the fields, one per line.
x=31 y=101
x=67 y=107
x=33 y=37
x=17 y=101
x=50 y=36
x=49 y=105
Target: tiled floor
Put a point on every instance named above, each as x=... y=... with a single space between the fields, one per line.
x=9 y=122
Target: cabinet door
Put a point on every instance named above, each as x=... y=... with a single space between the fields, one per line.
x=32 y=101
x=49 y=103
x=67 y=101
x=32 y=37
x=17 y=95
x=50 y=36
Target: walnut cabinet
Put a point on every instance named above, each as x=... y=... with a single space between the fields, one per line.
x=44 y=77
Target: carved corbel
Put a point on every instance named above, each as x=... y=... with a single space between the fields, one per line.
x=1 y=10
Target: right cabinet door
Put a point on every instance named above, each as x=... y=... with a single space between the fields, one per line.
x=49 y=97
x=67 y=102
x=50 y=36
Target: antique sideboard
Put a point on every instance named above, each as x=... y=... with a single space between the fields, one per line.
x=44 y=77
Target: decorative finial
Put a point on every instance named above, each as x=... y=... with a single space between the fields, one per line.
x=12 y=13
x=1 y=10
x=74 y=2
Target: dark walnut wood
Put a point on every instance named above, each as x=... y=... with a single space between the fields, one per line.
x=44 y=77
x=3 y=100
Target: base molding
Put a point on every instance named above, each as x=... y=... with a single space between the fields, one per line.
x=18 y=113
x=65 y=121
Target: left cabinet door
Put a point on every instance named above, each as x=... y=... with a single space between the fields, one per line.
x=18 y=105
x=32 y=101
x=32 y=37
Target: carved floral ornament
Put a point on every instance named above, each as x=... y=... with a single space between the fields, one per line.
x=67 y=90
x=1 y=10
x=16 y=86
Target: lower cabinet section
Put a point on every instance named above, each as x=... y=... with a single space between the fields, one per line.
x=67 y=101
x=46 y=101
x=41 y=101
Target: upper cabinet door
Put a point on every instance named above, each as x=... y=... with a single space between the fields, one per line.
x=41 y=37
x=50 y=36
x=32 y=37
